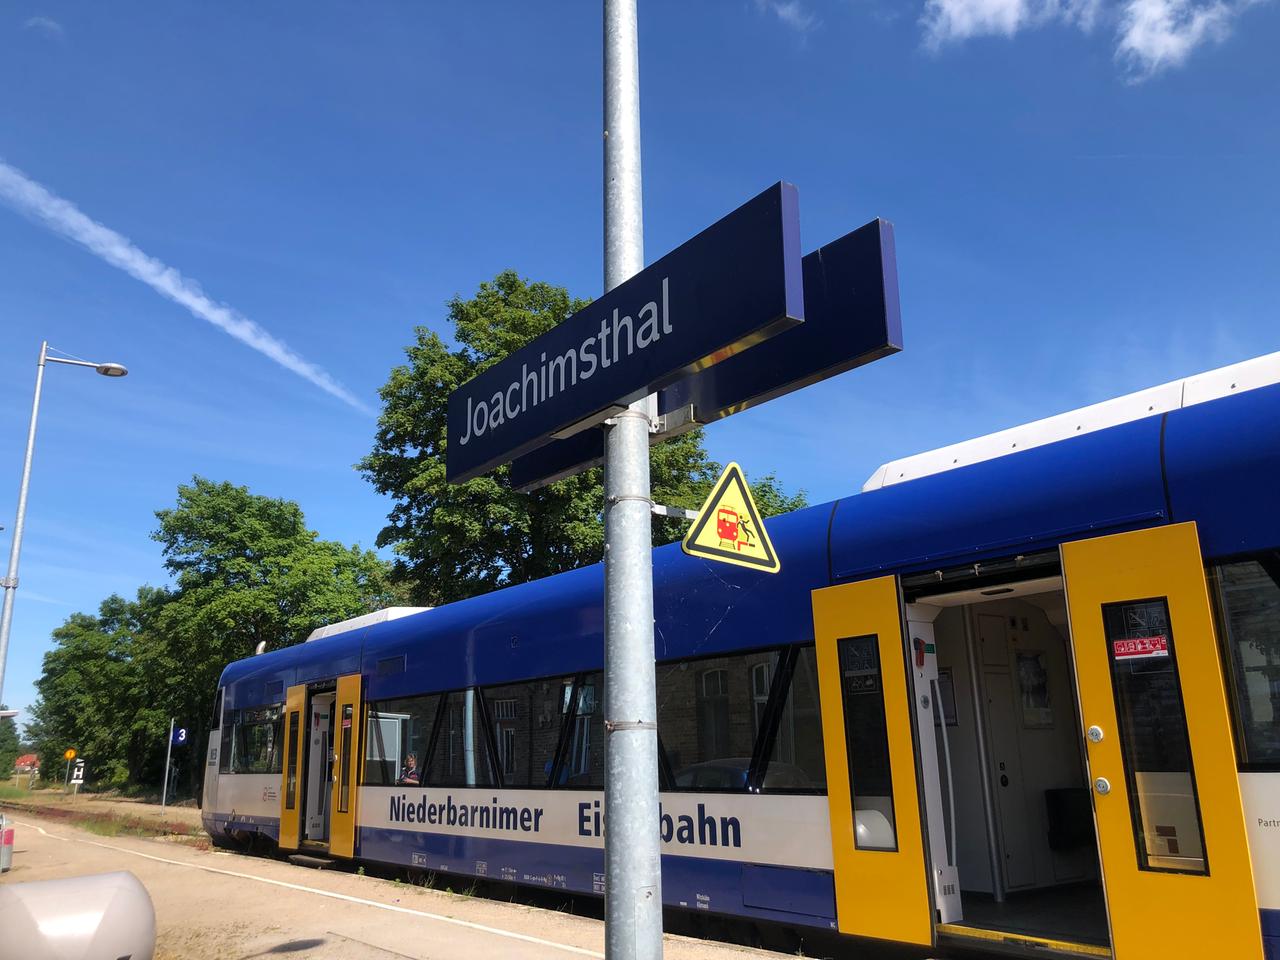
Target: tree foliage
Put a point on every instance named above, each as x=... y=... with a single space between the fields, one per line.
x=245 y=570
x=10 y=748
x=456 y=540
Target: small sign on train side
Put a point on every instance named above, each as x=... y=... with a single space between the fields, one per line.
x=729 y=528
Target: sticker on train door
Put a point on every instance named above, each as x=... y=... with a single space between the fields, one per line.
x=1138 y=648
x=729 y=529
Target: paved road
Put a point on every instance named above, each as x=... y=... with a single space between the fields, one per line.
x=211 y=904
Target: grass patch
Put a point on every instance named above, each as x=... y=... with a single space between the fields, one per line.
x=105 y=823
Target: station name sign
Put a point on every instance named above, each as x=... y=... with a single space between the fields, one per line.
x=851 y=317
x=732 y=286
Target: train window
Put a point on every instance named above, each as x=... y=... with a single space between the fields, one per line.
x=866 y=735
x=1248 y=595
x=526 y=720
x=228 y=734
x=397 y=736
x=256 y=743
x=1153 y=737
x=460 y=755
x=708 y=715
x=582 y=703
x=344 y=759
x=291 y=760
x=796 y=760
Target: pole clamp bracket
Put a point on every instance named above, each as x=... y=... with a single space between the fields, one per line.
x=613 y=501
x=612 y=726
x=9 y=583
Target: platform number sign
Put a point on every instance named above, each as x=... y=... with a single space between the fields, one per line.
x=180 y=737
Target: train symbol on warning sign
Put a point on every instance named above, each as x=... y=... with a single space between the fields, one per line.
x=734 y=530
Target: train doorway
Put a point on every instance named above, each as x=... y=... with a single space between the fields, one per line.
x=318 y=767
x=1009 y=816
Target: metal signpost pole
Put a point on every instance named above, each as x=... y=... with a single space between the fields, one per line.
x=633 y=864
x=168 y=750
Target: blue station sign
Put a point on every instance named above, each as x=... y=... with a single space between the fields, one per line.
x=732 y=286
x=852 y=317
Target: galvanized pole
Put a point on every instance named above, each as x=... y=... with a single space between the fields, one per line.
x=10 y=581
x=168 y=750
x=633 y=862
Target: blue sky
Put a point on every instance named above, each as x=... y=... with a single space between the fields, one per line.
x=1083 y=190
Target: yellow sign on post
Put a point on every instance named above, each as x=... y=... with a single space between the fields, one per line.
x=729 y=528
x=70 y=754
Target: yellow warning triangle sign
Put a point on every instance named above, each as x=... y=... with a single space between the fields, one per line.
x=729 y=528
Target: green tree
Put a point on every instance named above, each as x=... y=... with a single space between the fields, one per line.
x=10 y=748
x=246 y=571
x=94 y=695
x=456 y=540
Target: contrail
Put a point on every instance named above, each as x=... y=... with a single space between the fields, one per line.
x=63 y=217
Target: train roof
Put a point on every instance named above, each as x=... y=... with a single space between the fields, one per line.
x=1175 y=395
x=1213 y=460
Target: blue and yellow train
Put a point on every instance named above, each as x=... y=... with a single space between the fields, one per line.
x=1021 y=692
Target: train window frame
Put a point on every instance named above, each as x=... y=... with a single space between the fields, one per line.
x=292 y=745
x=494 y=780
x=1228 y=654
x=557 y=681
x=861 y=674
x=779 y=704
x=763 y=738
x=1125 y=734
x=375 y=710
x=258 y=716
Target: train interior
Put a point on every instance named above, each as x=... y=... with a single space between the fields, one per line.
x=1016 y=808
x=318 y=769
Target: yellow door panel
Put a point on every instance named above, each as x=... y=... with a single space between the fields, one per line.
x=876 y=843
x=348 y=722
x=1171 y=831
x=291 y=775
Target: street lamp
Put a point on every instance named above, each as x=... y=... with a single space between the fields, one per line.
x=10 y=582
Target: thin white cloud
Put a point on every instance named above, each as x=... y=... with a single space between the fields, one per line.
x=950 y=21
x=63 y=217
x=1150 y=35
x=45 y=25
x=1158 y=34
x=792 y=13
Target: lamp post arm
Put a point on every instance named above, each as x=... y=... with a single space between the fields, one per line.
x=15 y=548
x=71 y=363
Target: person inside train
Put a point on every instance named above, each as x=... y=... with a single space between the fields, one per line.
x=409 y=774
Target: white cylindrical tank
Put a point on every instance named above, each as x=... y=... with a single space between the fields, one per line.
x=107 y=915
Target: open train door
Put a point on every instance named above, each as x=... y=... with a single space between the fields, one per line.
x=348 y=713
x=881 y=881
x=1166 y=797
x=291 y=774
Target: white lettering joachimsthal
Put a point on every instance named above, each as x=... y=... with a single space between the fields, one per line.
x=619 y=337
